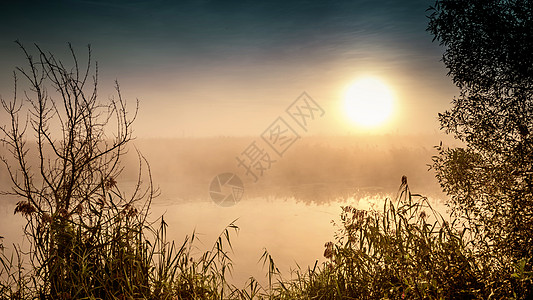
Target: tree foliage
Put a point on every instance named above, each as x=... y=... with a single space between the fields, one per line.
x=489 y=55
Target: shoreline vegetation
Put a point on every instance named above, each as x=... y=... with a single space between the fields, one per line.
x=403 y=250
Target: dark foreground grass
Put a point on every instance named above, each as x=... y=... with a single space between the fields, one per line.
x=404 y=251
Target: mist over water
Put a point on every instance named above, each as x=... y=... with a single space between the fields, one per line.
x=314 y=170
x=289 y=210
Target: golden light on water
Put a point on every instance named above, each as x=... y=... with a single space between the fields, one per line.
x=368 y=102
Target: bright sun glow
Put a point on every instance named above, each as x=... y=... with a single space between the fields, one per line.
x=368 y=102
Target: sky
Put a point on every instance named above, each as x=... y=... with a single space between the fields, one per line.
x=230 y=68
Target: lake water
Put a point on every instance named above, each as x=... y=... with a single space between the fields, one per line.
x=293 y=232
x=288 y=211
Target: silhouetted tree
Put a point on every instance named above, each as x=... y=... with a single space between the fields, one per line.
x=489 y=55
x=63 y=150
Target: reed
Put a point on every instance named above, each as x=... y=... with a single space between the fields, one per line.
x=406 y=250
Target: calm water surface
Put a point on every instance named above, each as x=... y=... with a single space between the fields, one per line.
x=293 y=232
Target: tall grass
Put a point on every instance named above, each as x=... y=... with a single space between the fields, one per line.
x=406 y=250
x=126 y=258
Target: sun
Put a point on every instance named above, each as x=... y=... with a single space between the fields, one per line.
x=368 y=102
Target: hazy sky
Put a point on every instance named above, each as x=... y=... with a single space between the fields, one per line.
x=232 y=67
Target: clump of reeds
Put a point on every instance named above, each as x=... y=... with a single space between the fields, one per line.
x=407 y=250
x=120 y=255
